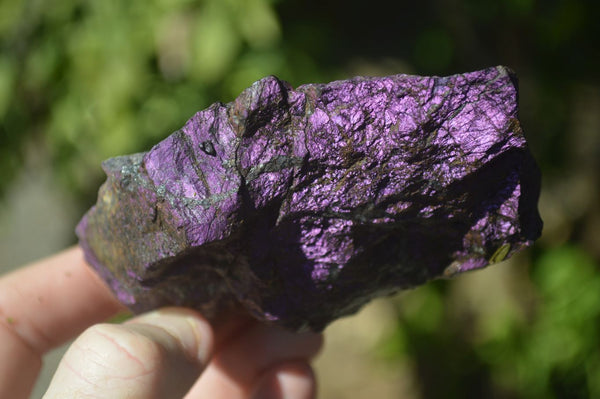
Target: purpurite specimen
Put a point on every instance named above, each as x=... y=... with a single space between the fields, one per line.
x=302 y=205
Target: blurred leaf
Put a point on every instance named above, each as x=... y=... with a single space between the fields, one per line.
x=7 y=81
x=258 y=23
x=423 y=308
x=216 y=42
x=10 y=13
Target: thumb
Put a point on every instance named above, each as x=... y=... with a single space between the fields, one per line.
x=156 y=355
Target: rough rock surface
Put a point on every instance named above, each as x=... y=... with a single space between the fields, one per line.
x=302 y=205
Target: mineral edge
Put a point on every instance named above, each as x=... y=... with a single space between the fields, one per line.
x=302 y=205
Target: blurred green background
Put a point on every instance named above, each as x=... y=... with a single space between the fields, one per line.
x=82 y=80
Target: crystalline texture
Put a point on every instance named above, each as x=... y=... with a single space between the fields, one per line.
x=302 y=205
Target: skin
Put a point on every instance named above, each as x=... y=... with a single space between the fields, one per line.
x=167 y=353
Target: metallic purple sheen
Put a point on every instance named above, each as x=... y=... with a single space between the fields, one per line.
x=302 y=205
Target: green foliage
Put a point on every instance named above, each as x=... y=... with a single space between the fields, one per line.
x=559 y=348
x=94 y=79
x=554 y=354
x=99 y=79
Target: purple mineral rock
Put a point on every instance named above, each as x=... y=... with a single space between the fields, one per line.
x=302 y=205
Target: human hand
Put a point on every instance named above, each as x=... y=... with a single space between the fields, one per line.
x=162 y=354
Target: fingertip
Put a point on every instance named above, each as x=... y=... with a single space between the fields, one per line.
x=187 y=326
x=155 y=355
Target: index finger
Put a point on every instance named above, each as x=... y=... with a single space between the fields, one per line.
x=42 y=306
x=53 y=300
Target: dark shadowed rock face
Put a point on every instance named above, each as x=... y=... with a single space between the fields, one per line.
x=302 y=205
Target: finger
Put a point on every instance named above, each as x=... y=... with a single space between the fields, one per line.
x=289 y=380
x=53 y=300
x=19 y=366
x=156 y=355
x=42 y=306
x=237 y=366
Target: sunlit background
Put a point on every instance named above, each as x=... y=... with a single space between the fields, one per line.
x=83 y=80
